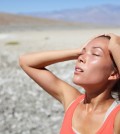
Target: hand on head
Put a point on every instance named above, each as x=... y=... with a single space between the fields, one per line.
x=114 y=40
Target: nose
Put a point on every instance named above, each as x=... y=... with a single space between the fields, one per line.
x=82 y=59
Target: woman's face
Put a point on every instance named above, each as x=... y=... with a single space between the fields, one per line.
x=94 y=64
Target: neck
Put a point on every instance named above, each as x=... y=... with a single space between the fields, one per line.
x=97 y=101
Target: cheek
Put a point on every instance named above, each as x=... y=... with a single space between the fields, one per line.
x=95 y=72
x=99 y=71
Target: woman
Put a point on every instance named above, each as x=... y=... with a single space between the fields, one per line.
x=97 y=71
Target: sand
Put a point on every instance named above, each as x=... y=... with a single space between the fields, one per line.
x=24 y=107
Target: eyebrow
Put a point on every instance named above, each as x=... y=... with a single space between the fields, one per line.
x=98 y=48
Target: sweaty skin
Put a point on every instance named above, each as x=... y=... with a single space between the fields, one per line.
x=93 y=71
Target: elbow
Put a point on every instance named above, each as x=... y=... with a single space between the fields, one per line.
x=21 y=61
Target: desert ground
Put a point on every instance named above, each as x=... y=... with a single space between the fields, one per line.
x=25 y=108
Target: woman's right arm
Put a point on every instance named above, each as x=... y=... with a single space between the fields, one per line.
x=34 y=65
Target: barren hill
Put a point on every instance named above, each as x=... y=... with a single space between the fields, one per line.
x=106 y=15
x=11 y=19
x=22 y=22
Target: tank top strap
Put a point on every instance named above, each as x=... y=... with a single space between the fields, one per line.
x=108 y=125
x=67 y=122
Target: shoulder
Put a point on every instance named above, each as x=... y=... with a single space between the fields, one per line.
x=71 y=99
x=117 y=123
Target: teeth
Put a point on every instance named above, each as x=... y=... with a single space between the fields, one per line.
x=79 y=70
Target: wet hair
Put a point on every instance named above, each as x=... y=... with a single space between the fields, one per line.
x=116 y=88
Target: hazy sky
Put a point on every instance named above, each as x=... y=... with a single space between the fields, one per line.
x=19 y=6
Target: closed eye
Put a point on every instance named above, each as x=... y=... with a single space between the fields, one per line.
x=95 y=54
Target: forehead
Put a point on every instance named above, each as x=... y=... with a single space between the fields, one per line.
x=99 y=42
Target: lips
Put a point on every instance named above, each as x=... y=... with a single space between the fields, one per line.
x=78 y=69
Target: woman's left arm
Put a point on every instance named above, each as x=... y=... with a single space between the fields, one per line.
x=114 y=47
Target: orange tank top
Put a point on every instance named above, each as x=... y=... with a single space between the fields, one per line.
x=107 y=127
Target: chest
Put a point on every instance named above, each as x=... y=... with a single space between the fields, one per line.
x=87 y=122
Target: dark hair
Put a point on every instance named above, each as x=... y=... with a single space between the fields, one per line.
x=116 y=88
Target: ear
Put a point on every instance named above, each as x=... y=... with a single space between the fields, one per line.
x=114 y=75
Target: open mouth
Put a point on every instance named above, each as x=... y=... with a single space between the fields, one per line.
x=78 y=69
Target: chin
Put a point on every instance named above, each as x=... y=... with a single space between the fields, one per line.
x=77 y=82
x=81 y=83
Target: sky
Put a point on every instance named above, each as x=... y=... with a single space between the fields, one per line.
x=26 y=6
